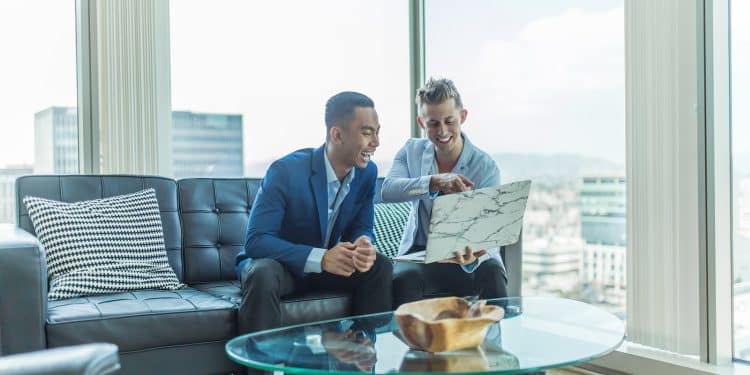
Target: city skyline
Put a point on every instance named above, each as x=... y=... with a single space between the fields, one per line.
x=203 y=144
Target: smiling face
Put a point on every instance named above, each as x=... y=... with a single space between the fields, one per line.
x=442 y=123
x=357 y=140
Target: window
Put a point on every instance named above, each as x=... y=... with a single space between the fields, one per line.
x=39 y=124
x=262 y=74
x=546 y=98
x=740 y=83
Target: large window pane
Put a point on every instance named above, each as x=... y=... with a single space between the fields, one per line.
x=38 y=92
x=740 y=82
x=543 y=82
x=252 y=78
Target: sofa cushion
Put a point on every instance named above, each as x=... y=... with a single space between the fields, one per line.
x=390 y=220
x=141 y=319
x=102 y=246
x=295 y=308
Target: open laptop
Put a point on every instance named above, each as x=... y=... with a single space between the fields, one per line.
x=483 y=219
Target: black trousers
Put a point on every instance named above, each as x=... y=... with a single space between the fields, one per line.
x=266 y=281
x=412 y=281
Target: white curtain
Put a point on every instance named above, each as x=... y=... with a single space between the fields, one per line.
x=662 y=174
x=132 y=59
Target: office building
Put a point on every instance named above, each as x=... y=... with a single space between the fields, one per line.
x=8 y=191
x=56 y=141
x=203 y=144
x=602 y=204
x=206 y=144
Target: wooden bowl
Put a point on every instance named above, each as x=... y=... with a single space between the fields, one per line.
x=466 y=360
x=445 y=324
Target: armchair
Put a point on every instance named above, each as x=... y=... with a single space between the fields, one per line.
x=89 y=359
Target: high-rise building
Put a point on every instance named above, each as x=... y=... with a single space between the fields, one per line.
x=602 y=204
x=203 y=144
x=206 y=144
x=551 y=240
x=56 y=140
x=551 y=264
x=8 y=191
x=603 y=267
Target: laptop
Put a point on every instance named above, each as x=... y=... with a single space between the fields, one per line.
x=483 y=219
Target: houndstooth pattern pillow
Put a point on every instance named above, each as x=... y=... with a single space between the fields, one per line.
x=102 y=246
x=390 y=220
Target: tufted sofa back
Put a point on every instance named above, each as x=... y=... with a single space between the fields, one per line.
x=204 y=219
x=214 y=214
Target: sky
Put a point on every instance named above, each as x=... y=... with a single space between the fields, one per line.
x=277 y=68
x=37 y=70
x=545 y=82
x=537 y=77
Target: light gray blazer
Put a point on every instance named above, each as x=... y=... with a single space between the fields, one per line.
x=409 y=180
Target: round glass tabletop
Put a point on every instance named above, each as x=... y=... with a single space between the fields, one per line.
x=536 y=333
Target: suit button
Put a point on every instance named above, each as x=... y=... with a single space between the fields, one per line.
x=216 y=209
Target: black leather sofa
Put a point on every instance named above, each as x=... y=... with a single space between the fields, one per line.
x=156 y=331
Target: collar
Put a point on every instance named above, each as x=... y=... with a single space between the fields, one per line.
x=331 y=174
x=463 y=158
x=466 y=153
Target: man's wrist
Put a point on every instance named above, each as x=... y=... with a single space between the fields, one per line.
x=432 y=187
x=314 y=262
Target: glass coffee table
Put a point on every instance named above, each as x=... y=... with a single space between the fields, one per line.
x=537 y=333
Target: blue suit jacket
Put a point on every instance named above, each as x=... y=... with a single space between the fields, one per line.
x=290 y=215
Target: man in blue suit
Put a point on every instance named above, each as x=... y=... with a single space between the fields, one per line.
x=444 y=162
x=311 y=225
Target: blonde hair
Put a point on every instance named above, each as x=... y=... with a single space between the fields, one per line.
x=437 y=91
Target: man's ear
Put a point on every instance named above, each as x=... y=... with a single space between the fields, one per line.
x=419 y=121
x=335 y=135
x=463 y=115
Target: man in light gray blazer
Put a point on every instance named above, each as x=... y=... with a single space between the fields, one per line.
x=443 y=163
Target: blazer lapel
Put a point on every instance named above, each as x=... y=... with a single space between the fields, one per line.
x=318 y=185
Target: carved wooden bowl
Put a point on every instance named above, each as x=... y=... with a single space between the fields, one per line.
x=445 y=324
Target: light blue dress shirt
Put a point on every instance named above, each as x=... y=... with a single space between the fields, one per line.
x=409 y=181
x=336 y=191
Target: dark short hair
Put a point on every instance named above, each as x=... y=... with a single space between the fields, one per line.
x=340 y=107
x=437 y=91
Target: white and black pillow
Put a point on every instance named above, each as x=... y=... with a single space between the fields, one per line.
x=390 y=220
x=102 y=246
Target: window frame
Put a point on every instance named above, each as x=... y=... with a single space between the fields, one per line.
x=86 y=78
x=714 y=166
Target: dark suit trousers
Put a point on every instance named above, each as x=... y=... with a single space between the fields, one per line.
x=412 y=281
x=266 y=281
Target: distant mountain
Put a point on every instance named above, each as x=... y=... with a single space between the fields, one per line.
x=542 y=167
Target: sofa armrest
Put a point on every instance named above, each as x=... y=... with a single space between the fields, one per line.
x=89 y=359
x=23 y=291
